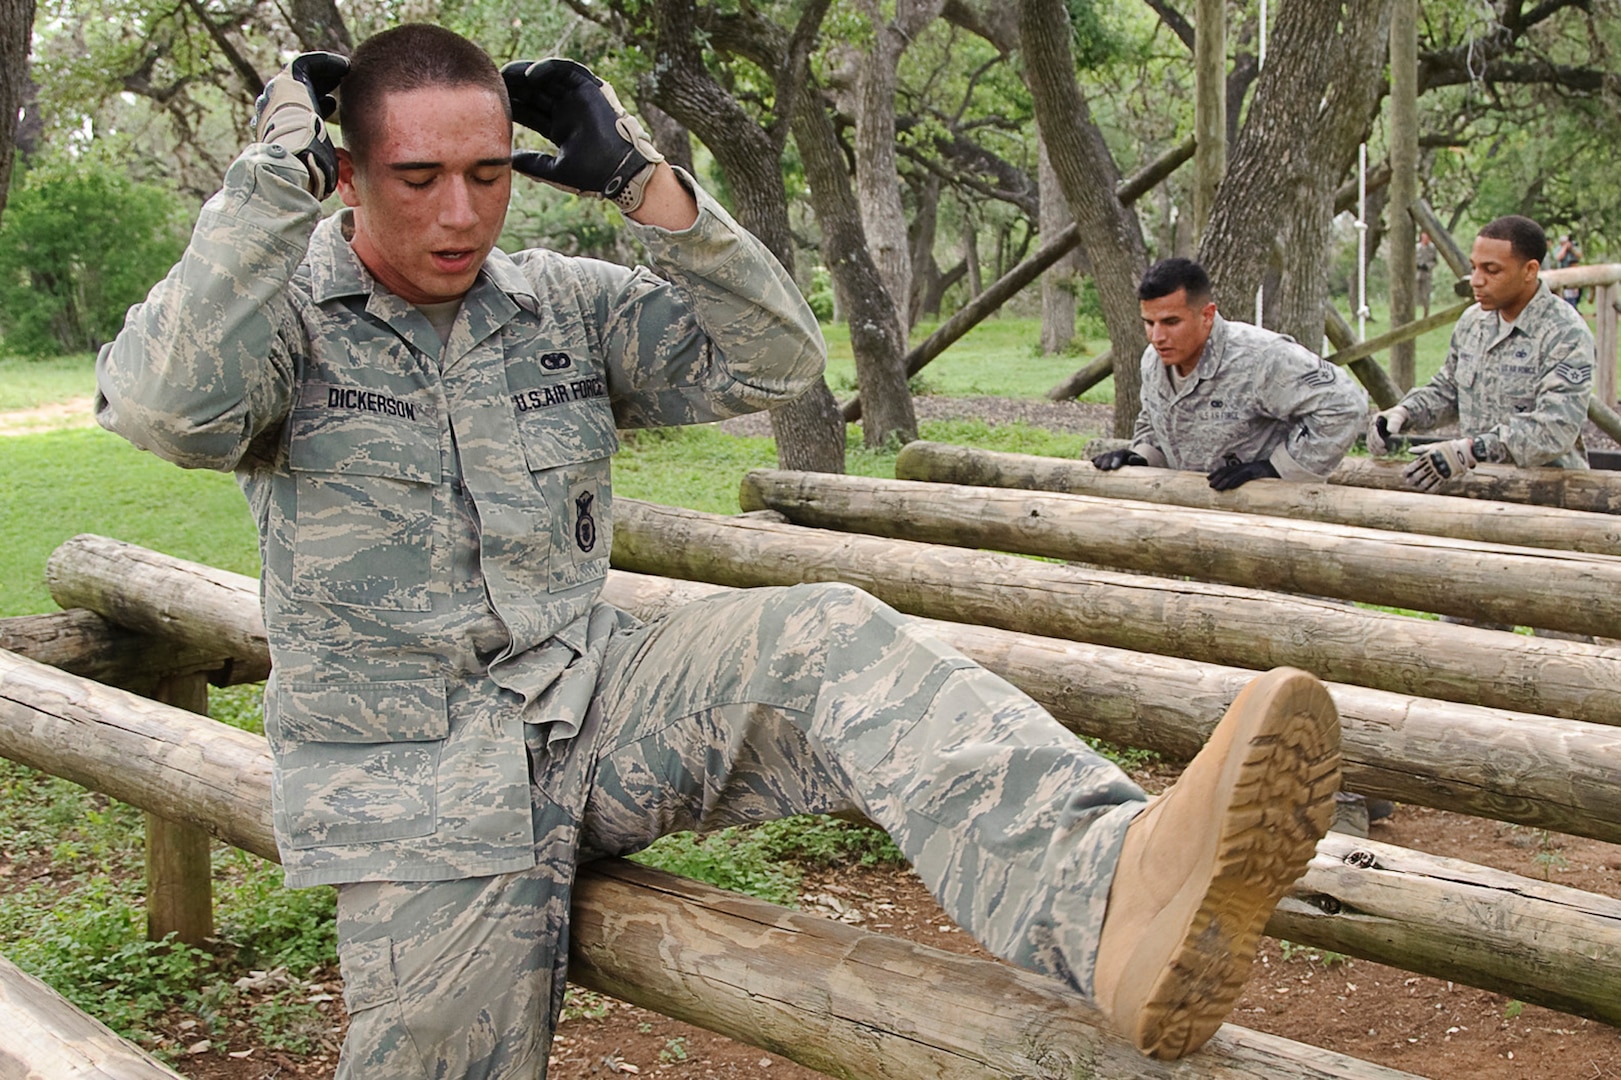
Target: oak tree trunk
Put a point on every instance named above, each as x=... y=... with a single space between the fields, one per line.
x=16 y=32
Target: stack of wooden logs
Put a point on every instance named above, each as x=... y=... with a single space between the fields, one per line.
x=1183 y=594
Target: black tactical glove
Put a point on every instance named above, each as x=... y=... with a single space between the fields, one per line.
x=1437 y=463
x=1114 y=459
x=1237 y=473
x=602 y=150
x=292 y=110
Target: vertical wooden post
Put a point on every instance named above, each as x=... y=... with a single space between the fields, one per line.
x=1403 y=182
x=179 y=871
x=1605 y=340
x=1209 y=108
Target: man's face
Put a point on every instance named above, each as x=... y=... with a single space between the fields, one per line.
x=431 y=196
x=1177 y=329
x=1501 y=280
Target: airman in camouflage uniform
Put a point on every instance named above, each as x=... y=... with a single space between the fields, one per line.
x=423 y=425
x=1518 y=373
x=1235 y=401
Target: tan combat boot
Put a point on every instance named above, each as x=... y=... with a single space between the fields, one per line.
x=1202 y=868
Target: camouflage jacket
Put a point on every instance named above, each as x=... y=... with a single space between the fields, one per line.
x=1256 y=395
x=434 y=521
x=1520 y=389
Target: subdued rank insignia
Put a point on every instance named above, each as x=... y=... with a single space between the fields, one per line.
x=1321 y=375
x=1574 y=374
x=585 y=526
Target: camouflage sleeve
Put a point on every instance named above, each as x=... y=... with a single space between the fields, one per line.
x=1436 y=402
x=1324 y=406
x=1143 y=440
x=727 y=333
x=203 y=365
x=1559 y=411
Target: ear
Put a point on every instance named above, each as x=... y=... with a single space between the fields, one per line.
x=1207 y=314
x=346 y=178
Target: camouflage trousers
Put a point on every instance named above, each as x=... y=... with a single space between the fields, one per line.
x=736 y=709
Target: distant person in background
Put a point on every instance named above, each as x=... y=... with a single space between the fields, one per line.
x=1517 y=376
x=1232 y=400
x=1424 y=260
x=1568 y=254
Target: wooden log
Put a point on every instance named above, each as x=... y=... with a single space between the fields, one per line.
x=179 y=864
x=1540 y=771
x=1405 y=332
x=50 y=718
x=45 y=1036
x=1218 y=624
x=1560 y=590
x=173 y=605
x=86 y=644
x=1593 y=490
x=1099 y=368
x=616 y=905
x=1453 y=255
x=1408 y=511
x=1604 y=418
x=896 y=1008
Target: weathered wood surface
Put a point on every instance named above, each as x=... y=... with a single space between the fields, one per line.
x=1560 y=590
x=619 y=910
x=1541 y=771
x=44 y=1037
x=171 y=598
x=1570 y=950
x=179 y=864
x=833 y=994
x=1509 y=523
x=1597 y=491
x=1219 y=624
x=86 y=644
x=1531 y=770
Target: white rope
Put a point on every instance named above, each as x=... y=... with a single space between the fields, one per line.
x=1362 y=243
x=1260 y=64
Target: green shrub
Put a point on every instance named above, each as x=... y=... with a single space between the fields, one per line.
x=78 y=246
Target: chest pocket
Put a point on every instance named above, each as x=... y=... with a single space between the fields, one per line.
x=365 y=466
x=567 y=429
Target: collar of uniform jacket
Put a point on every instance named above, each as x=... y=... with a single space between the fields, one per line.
x=336 y=271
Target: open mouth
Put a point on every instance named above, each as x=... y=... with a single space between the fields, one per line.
x=451 y=262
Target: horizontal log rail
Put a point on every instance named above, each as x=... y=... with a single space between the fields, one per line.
x=1531 y=770
x=805 y=987
x=1596 y=491
x=44 y=1035
x=1218 y=624
x=1559 y=590
x=1400 y=511
x=1539 y=943
x=1541 y=771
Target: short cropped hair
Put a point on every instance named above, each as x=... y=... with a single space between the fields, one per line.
x=408 y=57
x=1168 y=275
x=1524 y=236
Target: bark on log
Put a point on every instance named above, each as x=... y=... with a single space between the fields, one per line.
x=46 y=1036
x=1214 y=623
x=1561 y=945
x=1399 y=511
x=896 y=1008
x=1594 y=490
x=143 y=590
x=86 y=644
x=712 y=961
x=1542 y=772
x=1560 y=590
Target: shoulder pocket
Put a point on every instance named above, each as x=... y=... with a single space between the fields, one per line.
x=366 y=466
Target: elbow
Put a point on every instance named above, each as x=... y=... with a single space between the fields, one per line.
x=216 y=444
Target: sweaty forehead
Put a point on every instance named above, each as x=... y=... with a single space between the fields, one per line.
x=431 y=123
